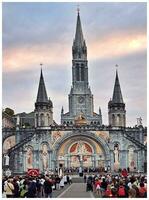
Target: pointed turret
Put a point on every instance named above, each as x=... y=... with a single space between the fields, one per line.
x=42 y=94
x=43 y=106
x=116 y=106
x=117 y=94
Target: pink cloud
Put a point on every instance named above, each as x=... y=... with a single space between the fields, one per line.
x=112 y=45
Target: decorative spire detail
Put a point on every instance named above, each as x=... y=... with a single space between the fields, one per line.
x=117 y=94
x=79 y=40
x=42 y=94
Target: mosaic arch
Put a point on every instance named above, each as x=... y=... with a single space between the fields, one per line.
x=77 y=149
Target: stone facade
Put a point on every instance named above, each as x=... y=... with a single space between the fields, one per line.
x=88 y=144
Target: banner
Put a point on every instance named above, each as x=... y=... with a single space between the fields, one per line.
x=33 y=172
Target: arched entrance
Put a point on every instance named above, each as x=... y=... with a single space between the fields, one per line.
x=82 y=149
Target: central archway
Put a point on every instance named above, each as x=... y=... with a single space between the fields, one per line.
x=82 y=149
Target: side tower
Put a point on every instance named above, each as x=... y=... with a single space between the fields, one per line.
x=80 y=97
x=43 y=106
x=116 y=106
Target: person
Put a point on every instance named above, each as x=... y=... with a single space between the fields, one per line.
x=114 y=192
x=57 y=182
x=121 y=190
x=65 y=179
x=68 y=179
x=97 y=186
x=89 y=186
x=38 y=186
x=131 y=193
x=32 y=188
x=142 y=190
x=16 y=188
x=48 y=187
x=9 y=188
x=108 y=192
x=84 y=178
x=62 y=182
x=42 y=180
x=103 y=186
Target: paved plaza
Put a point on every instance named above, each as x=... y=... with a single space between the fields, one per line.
x=76 y=190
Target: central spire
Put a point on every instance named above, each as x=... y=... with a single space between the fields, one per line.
x=79 y=49
x=79 y=40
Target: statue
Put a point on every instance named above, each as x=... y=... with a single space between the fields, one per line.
x=116 y=154
x=29 y=158
x=6 y=160
x=131 y=159
x=116 y=157
x=45 y=156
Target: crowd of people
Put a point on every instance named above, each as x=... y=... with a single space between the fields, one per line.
x=103 y=184
x=118 y=186
x=32 y=187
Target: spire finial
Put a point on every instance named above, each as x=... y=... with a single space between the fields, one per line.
x=41 y=65
x=116 y=66
x=78 y=8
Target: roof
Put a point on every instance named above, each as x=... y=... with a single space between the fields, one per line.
x=42 y=94
x=117 y=94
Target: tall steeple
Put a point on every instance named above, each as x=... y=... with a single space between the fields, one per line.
x=116 y=106
x=42 y=94
x=117 y=94
x=79 y=49
x=80 y=97
x=79 y=40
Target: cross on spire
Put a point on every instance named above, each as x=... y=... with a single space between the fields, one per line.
x=78 y=8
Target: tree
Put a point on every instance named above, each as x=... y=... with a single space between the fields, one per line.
x=9 y=111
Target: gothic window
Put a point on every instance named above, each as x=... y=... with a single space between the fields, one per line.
x=77 y=72
x=113 y=119
x=36 y=119
x=82 y=72
x=42 y=119
x=48 y=119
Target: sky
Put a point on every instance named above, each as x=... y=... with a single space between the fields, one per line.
x=115 y=33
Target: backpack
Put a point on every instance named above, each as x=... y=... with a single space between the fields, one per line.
x=121 y=191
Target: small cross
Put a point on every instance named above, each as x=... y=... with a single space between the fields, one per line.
x=116 y=66
x=78 y=9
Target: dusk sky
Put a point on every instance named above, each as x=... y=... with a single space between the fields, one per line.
x=35 y=33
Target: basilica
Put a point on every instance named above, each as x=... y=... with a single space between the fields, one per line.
x=82 y=139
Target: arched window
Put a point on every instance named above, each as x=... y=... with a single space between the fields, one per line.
x=77 y=72
x=118 y=120
x=36 y=119
x=113 y=119
x=42 y=119
x=82 y=72
x=48 y=120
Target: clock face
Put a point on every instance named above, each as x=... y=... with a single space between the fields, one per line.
x=81 y=99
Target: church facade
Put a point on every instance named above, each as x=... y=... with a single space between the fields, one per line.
x=81 y=139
